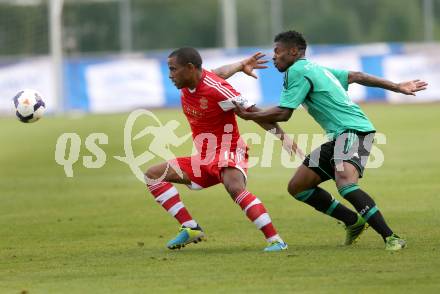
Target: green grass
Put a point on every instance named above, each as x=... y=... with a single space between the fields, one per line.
x=101 y=232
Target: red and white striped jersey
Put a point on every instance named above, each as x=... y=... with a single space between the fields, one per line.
x=204 y=114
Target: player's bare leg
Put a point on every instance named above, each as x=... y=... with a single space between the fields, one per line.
x=157 y=171
x=168 y=197
x=347 y=182
x=235 y=183
x=304 y=187
x=304 y=179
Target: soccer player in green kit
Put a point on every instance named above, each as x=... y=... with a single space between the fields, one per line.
x=322 y=91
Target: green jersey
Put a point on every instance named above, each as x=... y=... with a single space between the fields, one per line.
x=323 y=93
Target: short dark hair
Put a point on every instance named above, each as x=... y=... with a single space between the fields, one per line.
x=187 y=55
x=292 y=38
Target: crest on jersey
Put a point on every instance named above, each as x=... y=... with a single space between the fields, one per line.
x=203 y=103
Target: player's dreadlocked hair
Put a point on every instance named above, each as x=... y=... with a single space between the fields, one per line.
x=292 y=38
x=187 y=55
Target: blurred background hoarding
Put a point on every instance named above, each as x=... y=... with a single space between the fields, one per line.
x=110 y=55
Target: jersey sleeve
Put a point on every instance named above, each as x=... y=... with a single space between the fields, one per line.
x=341 y=75
x=227 y=94
x=243 y=101
x=296 y=89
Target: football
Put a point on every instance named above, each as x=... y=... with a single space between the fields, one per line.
x=29 y=106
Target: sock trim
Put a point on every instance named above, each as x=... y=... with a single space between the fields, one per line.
x=304 y=195
x=332 y=207
x=274 y=238
x=254 y=202
x=190 y=224
x=171 y=192
x=175 y=208
x=241 y=196
x=262 y=220
x=370 y=212
x=154 y=187
x=347 y=189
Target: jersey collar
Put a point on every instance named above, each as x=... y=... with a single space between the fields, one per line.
x=199 y=83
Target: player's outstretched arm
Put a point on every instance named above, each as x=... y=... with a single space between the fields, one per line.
x=247 y=66
x=270 y=115
x=274 y=128
x=407 y=88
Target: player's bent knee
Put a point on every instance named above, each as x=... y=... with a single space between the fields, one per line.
x=293 y=188
x=297 y=187
x=154 y=172
x=235 y=191
x=234 y=182
x=342 y=179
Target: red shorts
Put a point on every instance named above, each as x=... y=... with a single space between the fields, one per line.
x=206 y=172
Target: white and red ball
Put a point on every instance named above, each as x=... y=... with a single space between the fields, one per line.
x=29 y=106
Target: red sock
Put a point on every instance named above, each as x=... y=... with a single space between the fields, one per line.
x=257 y=213
x=168 y=197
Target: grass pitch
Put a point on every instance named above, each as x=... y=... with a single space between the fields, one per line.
x=101 y=232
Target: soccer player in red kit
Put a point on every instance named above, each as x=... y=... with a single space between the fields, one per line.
x=221 y=154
